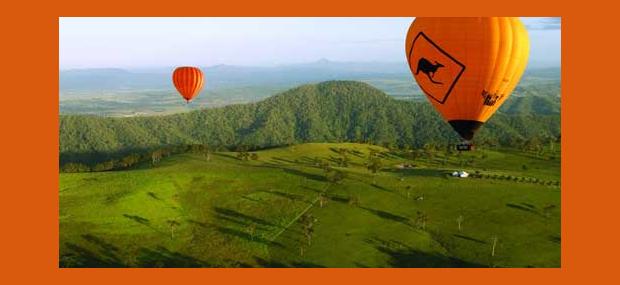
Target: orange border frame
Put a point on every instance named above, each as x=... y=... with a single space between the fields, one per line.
x=30 y=142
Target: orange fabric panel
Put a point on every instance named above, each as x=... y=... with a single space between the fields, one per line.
x=467 y=67
x=188 y=81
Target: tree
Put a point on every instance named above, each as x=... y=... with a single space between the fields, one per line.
x=242 y=153
x=302 y=115
x=494 y=243
x=421 y=220
x=322 y=199
x=408 y=189
x=206 y=151
x=428 y=150
x=252 y=230
x=354 y=200
x=130 y=160
x=374 y=165
x=173 y=224
x=343 y=160
x=75 y=167
x=156 y=156
x=307 y=222
x=334 y=177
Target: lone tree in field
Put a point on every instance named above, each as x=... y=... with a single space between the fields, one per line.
x=322 y=199
x=459 y=221
x=421 y=220
x=408 y=189
x=334 y=177
x=374 y=165
x=494 y=243
x=173 y=224
x=252 y=230
x=354 y=200
x=307 y=223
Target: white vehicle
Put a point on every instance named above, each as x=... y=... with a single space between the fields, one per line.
x=461 y=174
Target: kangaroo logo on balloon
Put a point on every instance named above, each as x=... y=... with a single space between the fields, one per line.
x=428 y=68
x=435 y=70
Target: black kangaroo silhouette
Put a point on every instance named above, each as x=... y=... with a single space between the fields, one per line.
x=428 y=68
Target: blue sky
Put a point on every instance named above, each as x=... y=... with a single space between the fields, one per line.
x=156 y=42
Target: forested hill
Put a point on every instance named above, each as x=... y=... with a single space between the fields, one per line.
x=330 y=111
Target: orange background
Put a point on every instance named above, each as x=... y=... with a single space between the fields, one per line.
x=29 y=160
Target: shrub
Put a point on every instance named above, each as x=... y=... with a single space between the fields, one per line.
x=75 y=167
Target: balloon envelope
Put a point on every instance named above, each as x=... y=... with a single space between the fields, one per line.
x=467 y=67
x=188 y=81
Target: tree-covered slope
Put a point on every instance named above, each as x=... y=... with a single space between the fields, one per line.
x=327 y=112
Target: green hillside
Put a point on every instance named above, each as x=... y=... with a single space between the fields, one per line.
x=335 y=111
x=189 y=211
x=533 y=104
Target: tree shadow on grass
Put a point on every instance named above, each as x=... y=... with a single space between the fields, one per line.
x=290 y=196
x=388 y=216
x=143 y=221
x=522 y=208
x=247 y=236
x=306 y=175
x=226 y=155
x=75 y=255
x=137 y=219
x=555 y=239
x=339 y=198
x=163 y=257
x=469 y=238
x=376 y=186
x=529 y=205
x=279 y=160
x=292 y=171
x=229 y=214
x=408 y=257
x=425 y=172
x=198 y=223
x=102 y=244
x=276 y=264
x=153 y=195
x=99 y=253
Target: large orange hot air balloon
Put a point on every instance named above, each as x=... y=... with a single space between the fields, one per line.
x=188 y=81
x=467 y=67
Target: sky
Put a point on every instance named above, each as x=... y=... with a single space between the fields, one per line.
x=157 y=42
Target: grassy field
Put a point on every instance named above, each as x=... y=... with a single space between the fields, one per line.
x=190 y=212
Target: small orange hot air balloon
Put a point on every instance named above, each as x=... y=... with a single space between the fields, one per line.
x=189 y=81
x=467 y=67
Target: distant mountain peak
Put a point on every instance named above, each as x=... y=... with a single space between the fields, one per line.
x=323 y=61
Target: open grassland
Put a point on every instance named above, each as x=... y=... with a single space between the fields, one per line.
x=225 y=212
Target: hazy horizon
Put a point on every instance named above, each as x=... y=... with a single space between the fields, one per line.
x=147 y=43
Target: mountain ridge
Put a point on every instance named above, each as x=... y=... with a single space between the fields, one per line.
x=332 y=111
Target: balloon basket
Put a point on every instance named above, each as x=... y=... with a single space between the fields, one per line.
x=465 y=146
